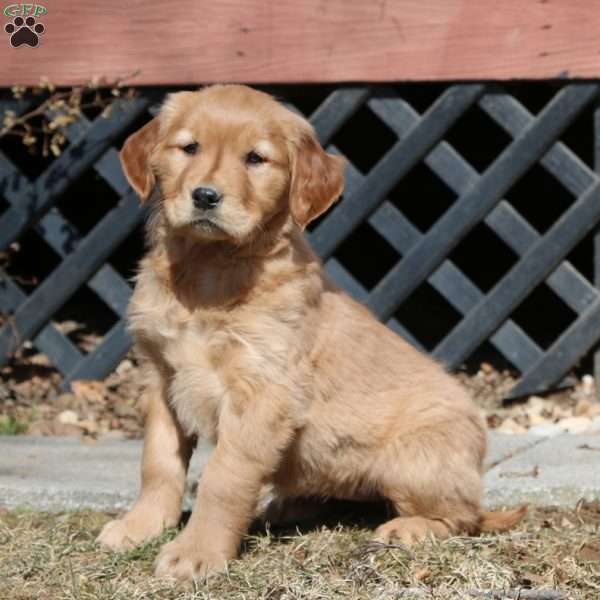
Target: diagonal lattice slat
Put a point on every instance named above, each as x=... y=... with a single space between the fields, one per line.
x=533 y=267
x=111 y=288
x=63 y=237
x=36 y=199
x=59 y=349
x=106 y=283
x=336 y=110
x=450 y=281
x=513 y=229
x=578 y=339
x=396 y=163
x=74 y=270
x=504 y=220
x=52 y=342
x=478 y=200
x=389 y=222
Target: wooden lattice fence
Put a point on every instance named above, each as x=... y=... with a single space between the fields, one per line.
x=421 y=255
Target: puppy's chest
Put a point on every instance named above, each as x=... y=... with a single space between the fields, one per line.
x=183 y=339
x=209 y=354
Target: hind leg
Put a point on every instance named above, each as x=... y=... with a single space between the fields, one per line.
x=422 y=514
x=434 y=484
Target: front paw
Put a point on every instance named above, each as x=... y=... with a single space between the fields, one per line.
x=130 y=531
x=185 y=559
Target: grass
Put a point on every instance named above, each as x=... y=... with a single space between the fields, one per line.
x=9 y=425
x=54 y=557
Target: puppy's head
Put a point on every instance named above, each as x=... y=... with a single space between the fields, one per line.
x=227 y=160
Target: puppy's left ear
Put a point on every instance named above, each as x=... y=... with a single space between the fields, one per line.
x=135 y=158
x=317 y=180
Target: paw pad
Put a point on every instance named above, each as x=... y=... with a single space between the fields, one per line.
x=24 y=32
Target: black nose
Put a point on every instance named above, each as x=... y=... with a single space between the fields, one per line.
x=205 y=197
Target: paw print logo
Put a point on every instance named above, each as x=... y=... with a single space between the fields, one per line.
x=24 y=32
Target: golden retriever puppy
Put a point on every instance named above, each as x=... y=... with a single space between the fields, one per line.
x=248 y=344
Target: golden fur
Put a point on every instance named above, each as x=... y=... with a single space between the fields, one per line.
x=248 y=344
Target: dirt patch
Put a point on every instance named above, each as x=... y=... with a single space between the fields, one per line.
x=31 y=402
x=54 y=557
x=573 y=409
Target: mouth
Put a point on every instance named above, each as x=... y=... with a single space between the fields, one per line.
x=207 y=226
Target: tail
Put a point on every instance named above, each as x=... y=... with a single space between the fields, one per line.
x=501 y=520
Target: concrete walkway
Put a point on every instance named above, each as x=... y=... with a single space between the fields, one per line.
x=66 y=473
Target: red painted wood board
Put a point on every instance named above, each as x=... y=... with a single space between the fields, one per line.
x=260 y=41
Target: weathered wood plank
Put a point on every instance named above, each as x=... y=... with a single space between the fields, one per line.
x=310 y=41
x=479 y=199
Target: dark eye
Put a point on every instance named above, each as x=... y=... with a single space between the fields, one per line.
x=191 y=148
x=253 y=158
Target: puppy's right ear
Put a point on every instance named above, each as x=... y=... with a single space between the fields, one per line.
x=317 y=179
x=135 y=158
